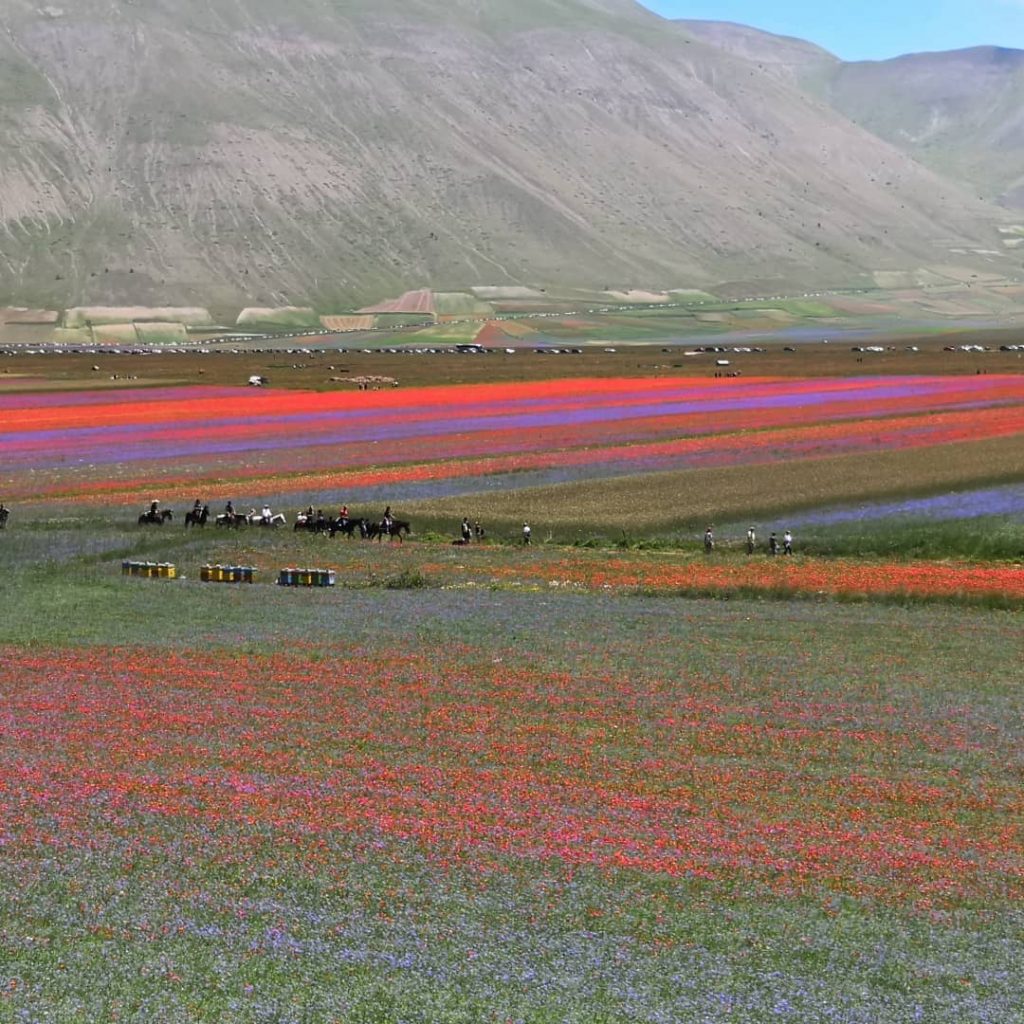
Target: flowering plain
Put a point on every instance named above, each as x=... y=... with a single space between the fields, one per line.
x=489 y=805
x=576 y=443
x=495 y=783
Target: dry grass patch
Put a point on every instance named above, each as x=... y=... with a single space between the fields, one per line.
x=84 y=316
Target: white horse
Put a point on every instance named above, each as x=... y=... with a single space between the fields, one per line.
x=277 y=519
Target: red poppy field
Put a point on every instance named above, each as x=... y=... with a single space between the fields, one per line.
x=499 y=782
x=441 y=441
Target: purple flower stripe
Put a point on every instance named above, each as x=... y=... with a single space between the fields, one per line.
x=1007 y=500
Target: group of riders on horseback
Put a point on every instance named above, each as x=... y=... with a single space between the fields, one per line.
x=388 y=526
x=315 y=522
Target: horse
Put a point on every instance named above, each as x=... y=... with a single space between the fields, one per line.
x=312 y=524
x=276 y=520
x=151 y=518
x=380 y=531
x=194 y=518
x=348 y=527
x=233 y=519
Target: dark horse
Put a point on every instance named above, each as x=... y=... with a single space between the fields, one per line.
x=312 y=524
x=194 y=518
x=380 y=530
x=348 y=527
x=152 y=518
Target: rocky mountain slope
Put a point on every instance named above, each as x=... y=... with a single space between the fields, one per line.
x=960 y=113
x=334 y=151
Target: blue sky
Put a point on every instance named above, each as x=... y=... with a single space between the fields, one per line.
x=870 y=29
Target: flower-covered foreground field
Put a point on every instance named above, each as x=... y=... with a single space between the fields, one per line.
x=498 y=782
x=451 y=805
x=441 y=441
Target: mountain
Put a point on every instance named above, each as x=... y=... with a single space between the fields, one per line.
x=960 y=112
x=796 y=58
x=234 y=152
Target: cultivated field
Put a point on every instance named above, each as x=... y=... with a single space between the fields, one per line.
x=607 y=776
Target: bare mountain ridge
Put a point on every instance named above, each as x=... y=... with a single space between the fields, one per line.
x=792 y=56
x=243 y=151
x=959 y=112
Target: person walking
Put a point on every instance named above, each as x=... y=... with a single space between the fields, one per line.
x=709 y=540
x=751 y=540
x=787 y=543
x=526 y=533
x=773 y=545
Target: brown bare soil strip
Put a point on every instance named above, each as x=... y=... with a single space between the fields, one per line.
x=17 y=315
x=316 y=369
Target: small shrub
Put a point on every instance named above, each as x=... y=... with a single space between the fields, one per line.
x=407 y=579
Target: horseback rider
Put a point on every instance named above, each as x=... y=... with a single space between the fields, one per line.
x=229 y=509
x=387 y=521
x=467 y=530
x=4 y=513
x=266 y=515
x=343 y=513
x=197 y=508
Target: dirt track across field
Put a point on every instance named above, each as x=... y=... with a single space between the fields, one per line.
x=332 y=370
